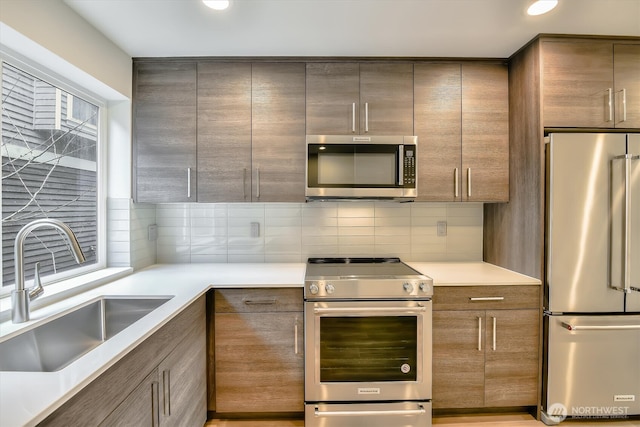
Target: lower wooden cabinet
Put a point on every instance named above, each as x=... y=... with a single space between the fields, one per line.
x=161 y=382
x=259 y=344
x=485 y=346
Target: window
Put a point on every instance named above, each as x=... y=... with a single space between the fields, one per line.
x=50 y=147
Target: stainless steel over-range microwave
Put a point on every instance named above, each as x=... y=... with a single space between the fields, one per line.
x=361 y=167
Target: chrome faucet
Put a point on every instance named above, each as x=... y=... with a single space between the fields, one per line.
x=20 y=296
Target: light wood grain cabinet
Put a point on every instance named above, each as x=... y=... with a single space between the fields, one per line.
x=224 y=132
x=259 y=361
x=462 y=123
x=485 y=346
x=160 y=383
x=359 y=98
x=164 y=132
x=278 y=147
x=590 y=83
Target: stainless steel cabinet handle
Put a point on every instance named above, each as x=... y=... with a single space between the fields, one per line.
x=495 y=329
x=572 y=327
x=456 y=177
x=476 y=299
x=468 y=182
x=244 y=183
x=188 y=183
x=319 y=413
x=479 y=333
x=258 y=184
x=610 y=103
x=155 y=404
x=366 y=117
x=166 y=392
x=269 y=301
x=353 y=117
x=295 y=336
x=624 y=105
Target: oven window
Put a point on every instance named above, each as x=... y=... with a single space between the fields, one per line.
x=363 y=349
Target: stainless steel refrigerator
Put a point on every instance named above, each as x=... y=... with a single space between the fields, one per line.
x=592 y=283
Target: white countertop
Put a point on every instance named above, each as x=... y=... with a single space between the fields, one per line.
x=27 y=398
x=471 y=274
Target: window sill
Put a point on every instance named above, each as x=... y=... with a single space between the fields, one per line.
x=67 y=288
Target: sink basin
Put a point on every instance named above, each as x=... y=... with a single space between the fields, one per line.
x=53 y=345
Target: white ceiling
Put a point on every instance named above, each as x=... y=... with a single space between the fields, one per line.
x=427 y=28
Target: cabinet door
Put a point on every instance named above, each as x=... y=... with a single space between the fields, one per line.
x=437 y=115
x=224 y=132
x=386 y=99
x=140 y=408
x=485 y=133
x=183 y=383
x=458 y=359
x=511 y=367
x=259 y=362
x=278 y=132
x=333 y=94
x=164 y=116
x=577 y=77
x=625 y=75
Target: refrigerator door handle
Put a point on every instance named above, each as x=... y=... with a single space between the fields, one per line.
x=625 y=268
x=572 y=327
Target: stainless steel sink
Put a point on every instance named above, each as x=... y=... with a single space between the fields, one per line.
x=53 y=345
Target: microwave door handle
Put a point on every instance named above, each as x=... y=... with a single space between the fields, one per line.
x=400 y=164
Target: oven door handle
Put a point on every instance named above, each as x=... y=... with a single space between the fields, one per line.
x=321 y=310
x=419 y=411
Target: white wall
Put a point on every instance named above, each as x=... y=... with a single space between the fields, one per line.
x=56 y=28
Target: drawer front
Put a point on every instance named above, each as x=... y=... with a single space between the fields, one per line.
x=486 y=297
x=257 y=300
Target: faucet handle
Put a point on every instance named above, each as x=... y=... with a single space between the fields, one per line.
x=37 y=288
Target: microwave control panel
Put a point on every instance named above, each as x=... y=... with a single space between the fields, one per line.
x=409 y=175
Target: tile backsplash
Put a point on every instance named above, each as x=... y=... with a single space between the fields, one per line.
x=291 y=232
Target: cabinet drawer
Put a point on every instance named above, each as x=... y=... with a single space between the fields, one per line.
x=485 y=297
x=258 y=300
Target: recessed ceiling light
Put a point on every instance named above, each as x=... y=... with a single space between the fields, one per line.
x=216 y=4
x=541 y=6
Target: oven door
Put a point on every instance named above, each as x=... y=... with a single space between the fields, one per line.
x=367 y=351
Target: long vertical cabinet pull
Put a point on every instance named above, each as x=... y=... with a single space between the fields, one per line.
x=610 y=103
x=456 y=177
x=353 y=117
x=495 y=330
x=479 y=333
x=166 y=392
x=295 y=336
x=366 y=117
x=469 y=182
x=632 y=173
x=623 y=92
x=155 y=404
x=188 y=183
x=244 y=183
x=258 y=183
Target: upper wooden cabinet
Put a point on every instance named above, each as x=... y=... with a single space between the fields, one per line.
x=590 y=83
x=224 y=132
x=164 y=131
x=277 y=130
x=359 y=98
x=461 y=115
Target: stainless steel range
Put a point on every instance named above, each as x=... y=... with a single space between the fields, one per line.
x=368 y=343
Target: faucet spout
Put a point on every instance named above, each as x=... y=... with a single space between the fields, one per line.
x=21 y=296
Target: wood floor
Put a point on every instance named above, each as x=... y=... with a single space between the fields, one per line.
x=508 y=420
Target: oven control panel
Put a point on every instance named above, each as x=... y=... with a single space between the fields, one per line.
x=382 y=289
